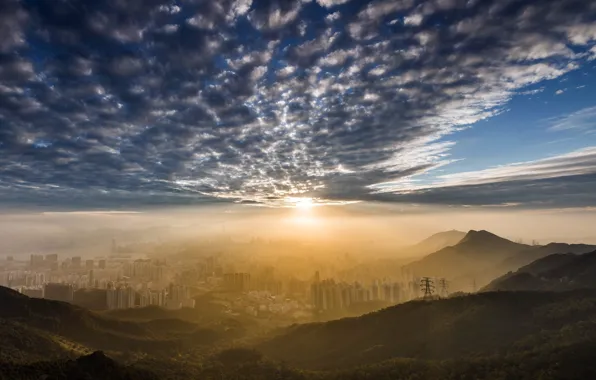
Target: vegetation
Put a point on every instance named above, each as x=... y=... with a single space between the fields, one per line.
x=558 y=272
x=57 y=325
x=490 y=336
x=470 y=326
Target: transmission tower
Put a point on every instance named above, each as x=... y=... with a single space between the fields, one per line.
x=443 y=287
x=427 y=286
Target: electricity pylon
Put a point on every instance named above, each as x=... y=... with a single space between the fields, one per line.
x=443 y=287
x=427 y=286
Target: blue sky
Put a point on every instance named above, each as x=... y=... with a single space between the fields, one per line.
x=522 y=133
x=172 y=102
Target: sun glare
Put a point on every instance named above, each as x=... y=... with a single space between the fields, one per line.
x=304 y=203
x=301 y=203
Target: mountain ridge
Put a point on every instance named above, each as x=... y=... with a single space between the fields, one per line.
x=556 y=272
x=438 y=330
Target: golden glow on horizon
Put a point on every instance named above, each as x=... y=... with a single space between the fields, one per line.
x=303 y=204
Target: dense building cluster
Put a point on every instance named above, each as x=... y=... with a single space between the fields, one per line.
x=328 y=294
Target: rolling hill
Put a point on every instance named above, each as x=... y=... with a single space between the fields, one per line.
x=58 y=325
x=525 y=257
x=558 y=272
x=96 y=366
x=490 y=336
x=471 y=326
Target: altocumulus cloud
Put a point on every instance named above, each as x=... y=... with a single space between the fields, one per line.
x=155 y=101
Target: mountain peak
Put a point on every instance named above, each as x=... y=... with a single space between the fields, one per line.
x=473 y=235
x=484 y=238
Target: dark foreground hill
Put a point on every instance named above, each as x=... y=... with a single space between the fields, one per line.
x=64 y=328
x=463 y=327
x=491 y=336
x=568 y=358
x=559 y=272
x=95 y=366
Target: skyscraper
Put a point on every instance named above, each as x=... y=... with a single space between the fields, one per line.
x=76 y=262
x=58 y=292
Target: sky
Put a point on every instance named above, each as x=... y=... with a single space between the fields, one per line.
x=452 y=103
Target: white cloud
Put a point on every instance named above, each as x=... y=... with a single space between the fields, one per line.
x=580 y=120
x=580 y=162
x=331 y=3
x=414 y=19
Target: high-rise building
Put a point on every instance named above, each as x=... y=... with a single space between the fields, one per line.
x=36 y=261
x=102 y=264
x=238 y=282
x=58 y=292
x=76 y=262
x=91 y=279
x=120 y=297
x=111 y=297
x=52 y=258
x=93 y=299
x=89 y=264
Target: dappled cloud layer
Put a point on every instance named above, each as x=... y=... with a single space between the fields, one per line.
x=257 y=101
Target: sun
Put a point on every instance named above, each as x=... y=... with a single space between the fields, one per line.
x=301 y=203
x=304 y=203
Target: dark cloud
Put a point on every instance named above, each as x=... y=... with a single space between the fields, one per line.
x=259 y=100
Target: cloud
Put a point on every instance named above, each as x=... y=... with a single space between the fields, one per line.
x=331 y=3
x=565 y=180
x=144 y=102
x=583 y=119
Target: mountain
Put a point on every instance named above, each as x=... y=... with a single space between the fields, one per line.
x=534 y=253
x=484 y=324
x=388 y=266
x=467 y=260
x=558 y=272
x=435 y=242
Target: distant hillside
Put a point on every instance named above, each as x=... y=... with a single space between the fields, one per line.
x=389 y=266
x=482 y=324
x=517 y=261
x=557 y=272
x=467 y=260
x=435 y=242
x=481 y=256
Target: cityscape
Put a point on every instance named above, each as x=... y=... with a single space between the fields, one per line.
x=122 y=281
